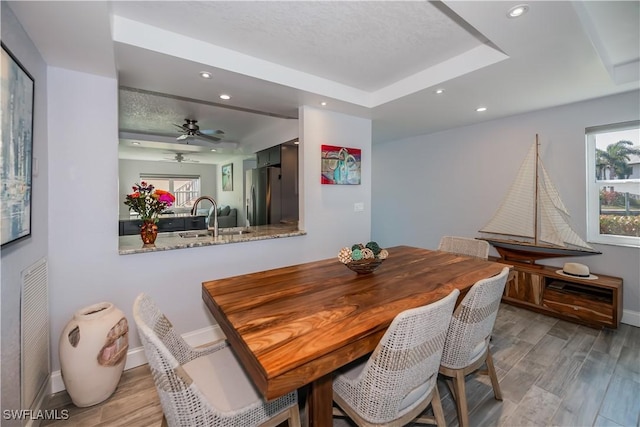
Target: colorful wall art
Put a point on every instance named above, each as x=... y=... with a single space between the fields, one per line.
x=16 y=144
x=340 y=165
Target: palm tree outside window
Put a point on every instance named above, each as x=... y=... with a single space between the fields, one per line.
x=613 y=184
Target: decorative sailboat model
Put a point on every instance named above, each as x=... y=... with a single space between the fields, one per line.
x=532 y=221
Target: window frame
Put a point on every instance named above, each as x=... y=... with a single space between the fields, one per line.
x=594 y=185
x=172 y=178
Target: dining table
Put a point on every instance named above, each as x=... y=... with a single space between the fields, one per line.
x=293 y=327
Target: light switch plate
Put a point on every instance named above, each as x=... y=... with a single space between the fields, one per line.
x=358 y=207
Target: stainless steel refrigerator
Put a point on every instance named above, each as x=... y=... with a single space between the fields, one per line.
x=264 y=196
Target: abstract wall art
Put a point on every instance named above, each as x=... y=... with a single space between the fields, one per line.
x=340 y=165
x=16 y=147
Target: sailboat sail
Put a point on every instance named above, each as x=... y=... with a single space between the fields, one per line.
x=516 y=215
x=554 y=227
x=533 y=209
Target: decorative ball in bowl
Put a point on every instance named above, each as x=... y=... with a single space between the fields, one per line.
x=363 y=259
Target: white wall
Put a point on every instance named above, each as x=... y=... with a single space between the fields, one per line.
x=328 y=209
x=15 y=257
x=85 y=265
x=453 y=181
x=130 y=170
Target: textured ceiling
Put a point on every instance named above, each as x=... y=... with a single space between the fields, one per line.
x=147 y=123
x=370 y=44
x=381 y=60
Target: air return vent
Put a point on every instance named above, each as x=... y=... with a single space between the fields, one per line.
x=34 y=321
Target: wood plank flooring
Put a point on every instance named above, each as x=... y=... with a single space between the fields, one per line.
x=551 y=372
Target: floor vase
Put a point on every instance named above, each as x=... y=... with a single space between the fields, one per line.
x=93 y=351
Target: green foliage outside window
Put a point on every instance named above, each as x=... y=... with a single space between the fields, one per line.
x=620 y=225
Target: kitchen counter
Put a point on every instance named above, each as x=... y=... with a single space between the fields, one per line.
x=173 y=240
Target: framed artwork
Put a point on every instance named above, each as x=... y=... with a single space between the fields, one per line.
x=340 y=165
x=16 y=149
x=227 y=177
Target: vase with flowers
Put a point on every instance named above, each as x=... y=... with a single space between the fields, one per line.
x=148 y=202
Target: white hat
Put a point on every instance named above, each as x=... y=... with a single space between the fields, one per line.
x=577 y=271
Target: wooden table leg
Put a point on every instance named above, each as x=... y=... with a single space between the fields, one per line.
x=320 y=401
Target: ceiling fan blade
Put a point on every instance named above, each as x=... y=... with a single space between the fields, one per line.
x=208 y=137
x=182 y=137
x=212 y=132
x=181 y=127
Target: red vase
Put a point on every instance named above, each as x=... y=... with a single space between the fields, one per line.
x=149 y=232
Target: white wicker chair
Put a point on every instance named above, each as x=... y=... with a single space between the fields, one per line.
x=203 y=386
x=467 y=346
x=398 y=381
x=465 y=246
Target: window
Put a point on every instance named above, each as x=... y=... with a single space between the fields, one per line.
x=186 y=189
x=613 y=184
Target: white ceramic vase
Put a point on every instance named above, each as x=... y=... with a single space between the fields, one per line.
x=93 y=350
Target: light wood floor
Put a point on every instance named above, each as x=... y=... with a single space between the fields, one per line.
x=551 y=372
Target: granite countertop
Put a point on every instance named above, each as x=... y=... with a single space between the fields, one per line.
x=169 y=241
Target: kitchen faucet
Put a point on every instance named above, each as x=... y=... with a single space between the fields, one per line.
x=194 y=209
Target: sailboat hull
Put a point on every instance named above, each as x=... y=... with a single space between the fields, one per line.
x=529 y=253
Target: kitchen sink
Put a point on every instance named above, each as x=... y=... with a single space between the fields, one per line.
x=195 y=234
x=233 y=232
x=205 y=233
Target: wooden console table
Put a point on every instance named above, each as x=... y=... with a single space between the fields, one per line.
x=596 y=303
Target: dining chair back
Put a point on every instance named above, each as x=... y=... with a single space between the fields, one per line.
x=398 y=381
x=467 y=345
x=464 y=246
x=203 y=386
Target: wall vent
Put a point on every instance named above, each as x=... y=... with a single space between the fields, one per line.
x=34 y=339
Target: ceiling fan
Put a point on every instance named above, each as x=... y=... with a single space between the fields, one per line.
x=190 y=129
x=179 y=157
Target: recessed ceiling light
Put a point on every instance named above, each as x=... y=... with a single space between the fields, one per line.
x=481 y=109
x=136 y=143
x=323 y=103
x=517 y=11
x=439 y=91
x=206 y=74
x=213 y=149
x=225 y=96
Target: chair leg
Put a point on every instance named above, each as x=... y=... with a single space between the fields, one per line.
x=461 y=399
x=492 y=375
x=294 y=417
x=451 y=388
x=436 y=405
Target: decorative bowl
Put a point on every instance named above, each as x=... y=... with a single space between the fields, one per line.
x=363 y=259
x=365 y=266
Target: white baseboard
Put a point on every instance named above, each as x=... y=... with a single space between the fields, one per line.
x=631 y=318
x=136 y=357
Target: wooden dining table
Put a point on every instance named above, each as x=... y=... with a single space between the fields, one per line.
x=295 y=326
